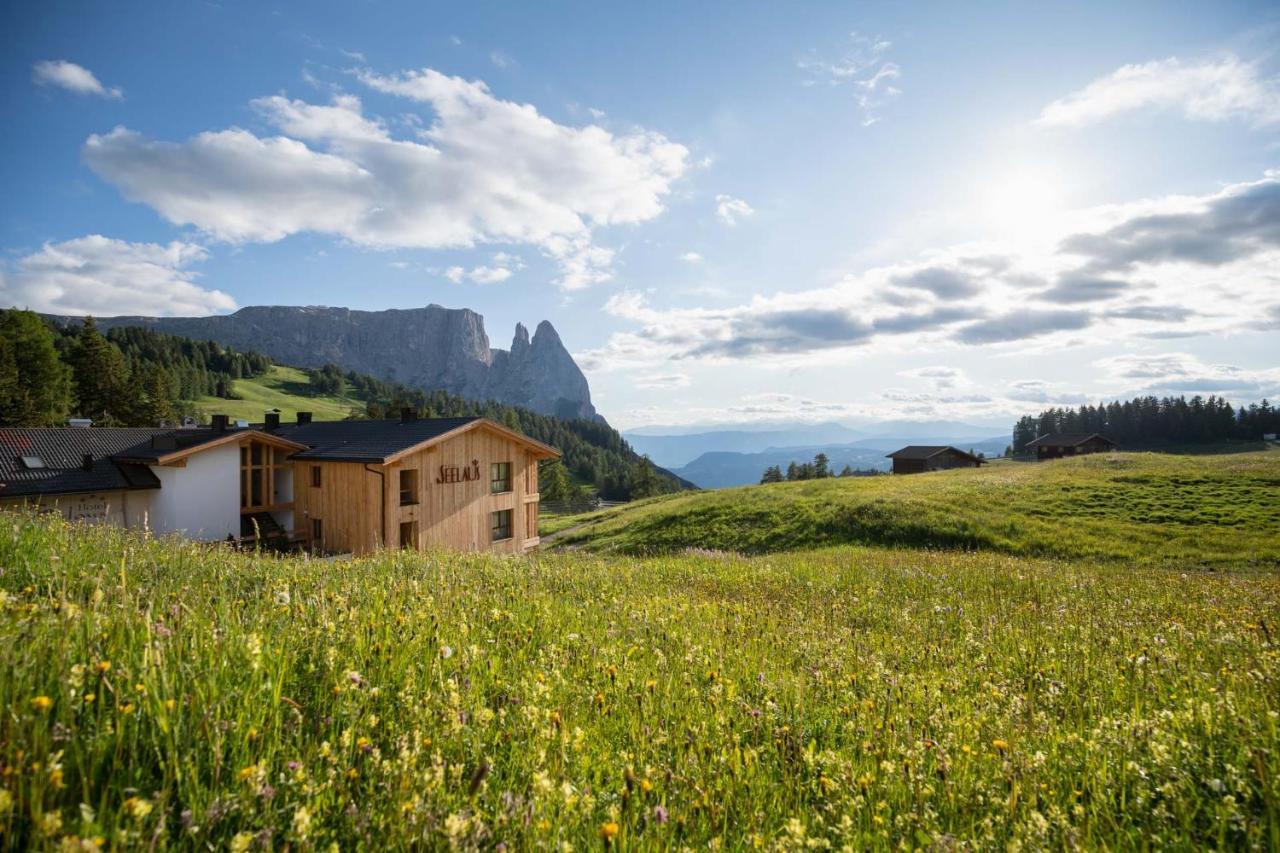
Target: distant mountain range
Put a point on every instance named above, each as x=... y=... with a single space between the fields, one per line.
x=674 y=446
x=433 y=348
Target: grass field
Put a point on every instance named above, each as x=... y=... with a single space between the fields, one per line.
x=1137 y=507
x=283 y=388
x=162 y=693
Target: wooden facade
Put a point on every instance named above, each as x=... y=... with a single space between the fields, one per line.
x=445 y=494
x=920 y=459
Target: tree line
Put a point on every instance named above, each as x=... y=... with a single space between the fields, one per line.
x=1154 y=421
x=128 y=377
x=818 y=469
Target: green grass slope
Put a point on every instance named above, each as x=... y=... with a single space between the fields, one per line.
x=1133 y=506
x=161 y=694
x=283 y=388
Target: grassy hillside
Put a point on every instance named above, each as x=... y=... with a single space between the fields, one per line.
x=1132 y=506
x=283 y=388
x=162 y=693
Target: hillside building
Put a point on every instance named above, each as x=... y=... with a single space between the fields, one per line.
x=1059 y=444
x=339 y=486
x=922 y=458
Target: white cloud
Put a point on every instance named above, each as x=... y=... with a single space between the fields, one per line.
x=860 y=65
x=101 y=276
x=1176 y=373
x=1182 y=266
x=502 y=268
x=940 y=376
x=1205 y=90
x=73 y=78
x=731 y=209
x=691 y=257
x=484 y=171
x=664 y=381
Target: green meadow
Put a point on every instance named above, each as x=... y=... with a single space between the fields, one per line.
x=926 y=691
x=1220 y=510
x=283 y=388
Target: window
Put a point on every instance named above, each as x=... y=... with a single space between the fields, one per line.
x=317 y=531
x=500 y=477
x=315 y=476
x=31 y=463
x=501 y=525
x=409 y=534
x=408 y=486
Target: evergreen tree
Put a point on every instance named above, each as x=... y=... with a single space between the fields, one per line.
x=644 y=480
x=821 y=466
x=846 y=471
x=553 y=481
x=155 y=401
x=100 y=376
x=772 y=474
x=34 y=386
x=793 y=471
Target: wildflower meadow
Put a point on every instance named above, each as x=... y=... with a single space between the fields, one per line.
x=168 y=694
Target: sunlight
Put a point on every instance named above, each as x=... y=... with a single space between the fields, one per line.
x=1024 y=203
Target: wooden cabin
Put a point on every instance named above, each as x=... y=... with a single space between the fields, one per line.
x=1059 y=444
x=922 y=458
x=338 y=486
x=464 y=483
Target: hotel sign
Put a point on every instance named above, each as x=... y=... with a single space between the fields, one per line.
x=459 y=473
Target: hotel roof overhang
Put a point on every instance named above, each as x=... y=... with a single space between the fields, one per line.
x=209 y=439
x=385 y=442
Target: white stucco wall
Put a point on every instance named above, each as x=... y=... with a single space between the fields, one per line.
x=202 y=500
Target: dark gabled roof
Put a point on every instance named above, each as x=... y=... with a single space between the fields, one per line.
x=386 y=440
x=62 y=451
x=1067 y=439
x=928 y=451
x=365 y=441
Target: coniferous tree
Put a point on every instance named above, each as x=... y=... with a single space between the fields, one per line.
x=155 y=403
x=100 y=376
x=35 y=389
x=772 y=474
x=793 y=471
x=846 y=471
x=553 y=481
x=644 y=481
x=821 y=466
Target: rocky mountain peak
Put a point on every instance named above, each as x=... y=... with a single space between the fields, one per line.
x=430 y=348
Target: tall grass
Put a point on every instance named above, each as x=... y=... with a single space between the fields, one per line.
x=1213 y=511
x=162 y=694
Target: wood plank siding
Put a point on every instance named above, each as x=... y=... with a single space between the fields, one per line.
x=446 y=497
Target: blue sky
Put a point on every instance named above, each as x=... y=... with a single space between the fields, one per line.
x=730 y=212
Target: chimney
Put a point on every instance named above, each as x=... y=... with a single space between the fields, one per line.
x=304 y=418
x=86 y=462
x=271 y=421
x=219 y=423
x=408 y=414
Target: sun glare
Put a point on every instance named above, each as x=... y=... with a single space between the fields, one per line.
x=1023 y=204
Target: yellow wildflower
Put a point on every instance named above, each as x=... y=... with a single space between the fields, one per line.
x=42 y=703
x=608 y=831
x=137 y=808
x=1000 y=745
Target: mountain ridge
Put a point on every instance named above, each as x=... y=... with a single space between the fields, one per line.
x=432 y=347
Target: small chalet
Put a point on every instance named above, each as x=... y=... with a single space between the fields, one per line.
x=1059 y=444
x=337 y=486
x=920 y=458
